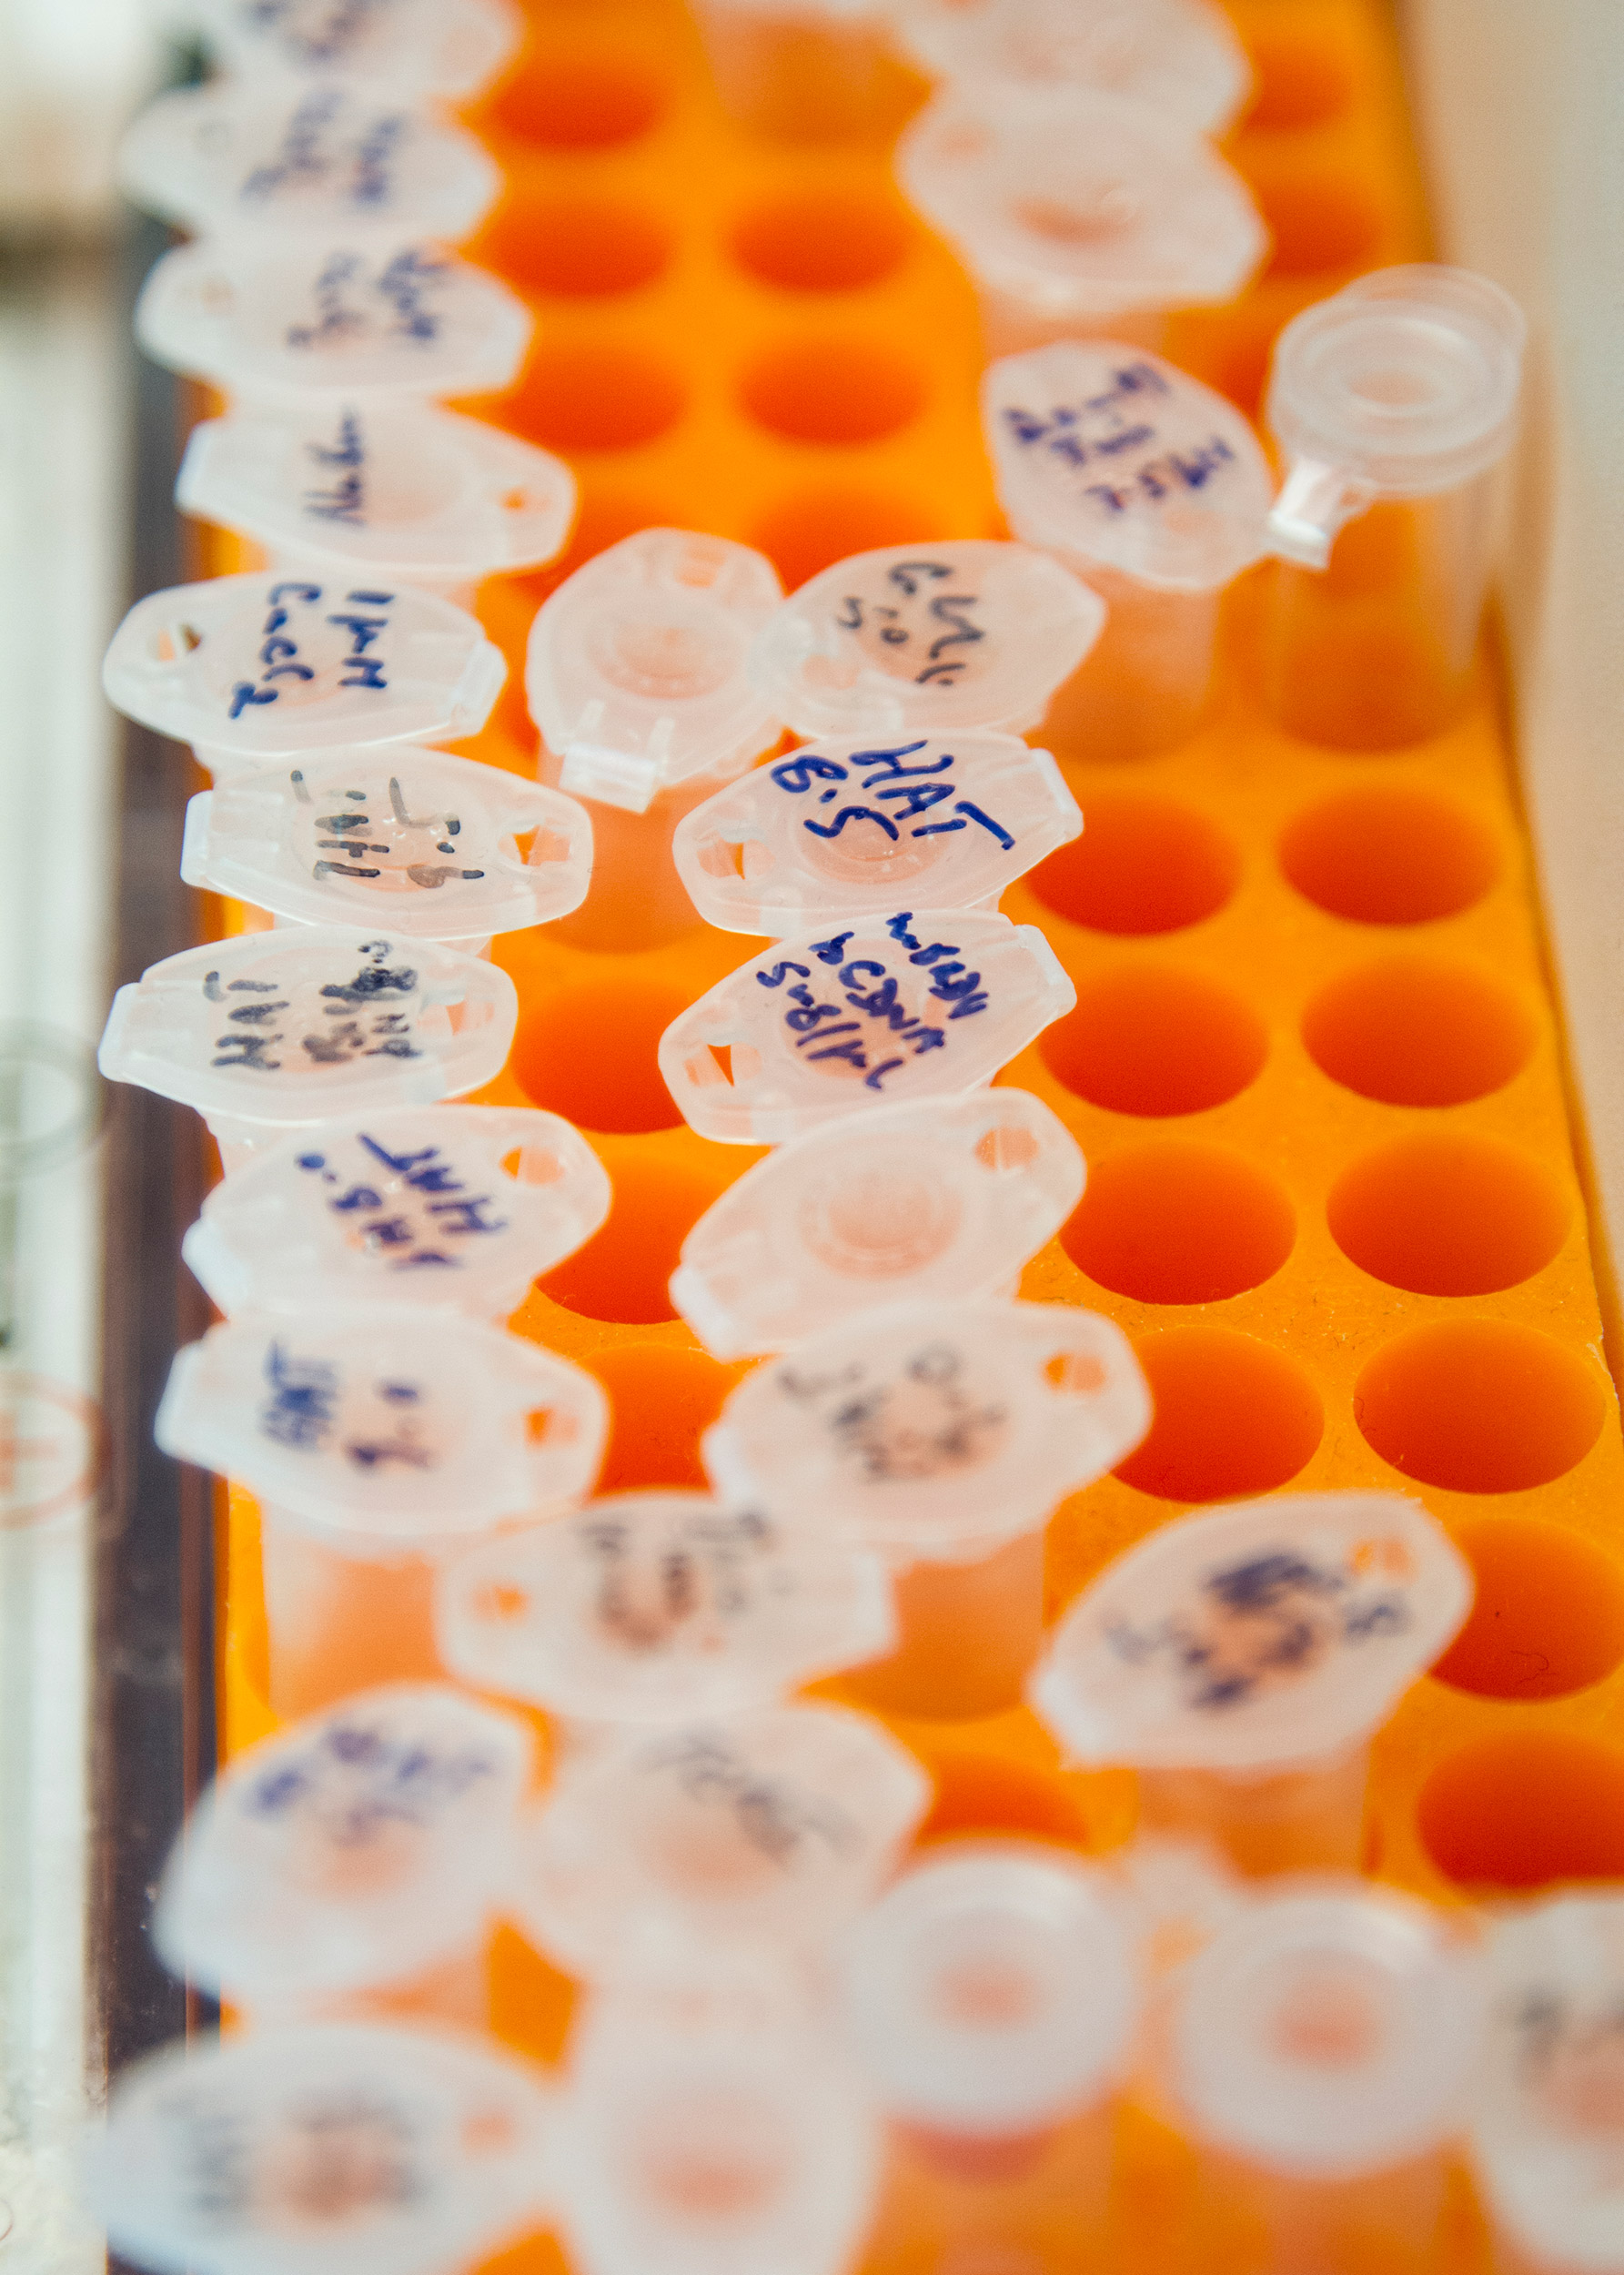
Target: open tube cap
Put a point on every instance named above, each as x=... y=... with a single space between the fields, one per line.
x=766 y=1830
x=926 y=640
x=385 y=1424
x=1548 y=2114
x=1327 y=2032
x=821 y=1028
x=416 y=839
x=904 y=1204
x=457 y=1207
x=993 y=1989
x=845 y=828
x=369 y=489
x=359 y=1847
x=937 y=1431
x=417 y=48
x=1255 y=1637
x=329 y=2149
x=1118 y=461
x=636 y=672
x=652 y=1607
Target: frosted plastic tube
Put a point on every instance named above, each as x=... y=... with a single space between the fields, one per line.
x=413 y=47
x=802 y=70
x=1395 y=403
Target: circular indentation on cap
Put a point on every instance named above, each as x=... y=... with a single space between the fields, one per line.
x=623 y=1273
x=875 y=1220
x=1317 y=226
x=576 y=102
x=1547 y=1616
x=1447 y=1213
x=803 y=536
x=593 y=396
x=589 y=1053
x=581 y=248
x=834 y=390
x=1142 y=865
x=1415 y=1031
x=823 y=240
x=1233 y=1417
x=660 y=1400
x=1524 y=1809
x=1388 y=856
x=1153 y=1039
x=1302 y=81
x=1179 y=1223
x=1480 y=1406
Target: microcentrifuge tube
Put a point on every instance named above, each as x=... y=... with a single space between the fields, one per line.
x=805 y=71
x=1395 y=403
x=763 y=1833
x=418 y=48
x=1079 y=214
x=352 y=1865
x=456 y=1208
x=1242 y=1659
x=847 y=827
x=917 y=640
x=1153 y=489
x=942 y=1434
x=903 y=1204
x=272 y=1032
x=659 y=1607
x=325 y=2148
x=819 y=1029
x=424 y=842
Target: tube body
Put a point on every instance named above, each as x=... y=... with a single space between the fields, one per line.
x=1146 y=684
x=1309 y=1818
x=968 y=1636
x=799 y=75
x=340 y=1617
x=1012 y=323
x=1253 y=2221
x=1037 y=2201
x=636 y=899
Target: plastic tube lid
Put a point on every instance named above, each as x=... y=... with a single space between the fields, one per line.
x=636 y=672
x=652 y=1607
x=445 y=47
x=393 y=489
x=330 y=2149
x=925 y=639
x=330 y=320
x=328 y=160
x=765 y=1831
x=936 y=1430
x=1327 y=2032
x=271 y=666
x=822 y=1029
x=413 y=1204
x=424 y=841
x=845 y=828
x=1253 y=1637
x=384 y=1423
x=359 y=1847
x=911 y=1203
x=993 y=1989
x=285 y=1028
x=1118 y=461
x=1083 y=205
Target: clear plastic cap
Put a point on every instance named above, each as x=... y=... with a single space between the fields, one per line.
x=418 y=47
x=359 y=1847
x=1547 y=2115
x=276 y=1030
x=446 y=1207
x=843 y=828
x=1255 y=1637
x=819 y=1029
x=381 y=489
x=936 y=1430
x=636 y=673
x=906 y=1204
x=660 y=1606
x=1118 y=461
x=1327 y=2032
x=425 y=842
x=767 y=1831
x=255 y=667
x=330 y=320
x=1180 y=58
x=926 y=640
x=1403 y=385
x=230 y=160
x=329 y=2149
x=993 y=1989
x=1083 y=207
x=384 y=1423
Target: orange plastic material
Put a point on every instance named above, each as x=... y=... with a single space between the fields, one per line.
x=1314 y=1064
